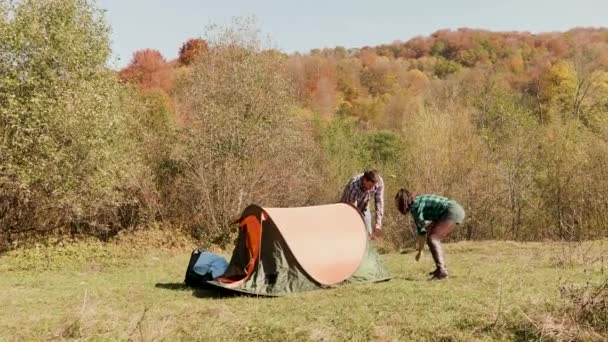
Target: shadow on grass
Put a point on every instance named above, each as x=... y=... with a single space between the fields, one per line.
x=173 y=286
x=218 y=293
x=200 y=292
x=405 y=278
x=417 y=278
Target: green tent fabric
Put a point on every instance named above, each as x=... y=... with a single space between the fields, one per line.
x=300 y=249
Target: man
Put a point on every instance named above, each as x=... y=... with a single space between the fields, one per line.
x=359 y=192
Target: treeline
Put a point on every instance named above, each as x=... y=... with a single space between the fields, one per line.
x=512 y=125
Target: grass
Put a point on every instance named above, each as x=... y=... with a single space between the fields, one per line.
x=92 y=291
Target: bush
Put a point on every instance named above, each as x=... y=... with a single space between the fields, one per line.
x=587 y=305
x=66 y=154
x=242 y=144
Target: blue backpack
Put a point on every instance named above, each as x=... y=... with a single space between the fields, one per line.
x=204 y=266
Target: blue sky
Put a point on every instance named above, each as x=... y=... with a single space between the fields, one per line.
x=303 y=25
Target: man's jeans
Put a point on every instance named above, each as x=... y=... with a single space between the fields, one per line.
x=367 y=217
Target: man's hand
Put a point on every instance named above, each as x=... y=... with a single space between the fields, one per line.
x=376 y=231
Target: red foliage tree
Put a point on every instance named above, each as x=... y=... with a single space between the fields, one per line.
x=558 y=47
x=417 y=47
x=149 y=70
x=192 y=50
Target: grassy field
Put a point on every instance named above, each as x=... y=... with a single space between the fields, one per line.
x=497 y=291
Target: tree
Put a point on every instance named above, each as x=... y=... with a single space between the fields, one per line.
x=149 y=70
x=65 y=142
x=192 y=50
x=242 y=145
x=444 y=67
x=348 y=73
x=559 y=84
x=591 y=67
x=314 y=79
x=378 y=78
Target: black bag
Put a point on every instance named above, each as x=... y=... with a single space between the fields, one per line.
x=192 y=278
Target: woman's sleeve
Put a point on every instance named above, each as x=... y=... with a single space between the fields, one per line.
x=419 y=219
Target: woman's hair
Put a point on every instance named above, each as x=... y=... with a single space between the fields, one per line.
x=404 y=199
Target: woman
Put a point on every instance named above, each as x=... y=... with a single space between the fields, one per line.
x=444 y=214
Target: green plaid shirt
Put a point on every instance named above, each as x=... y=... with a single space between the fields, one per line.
x=428 y=208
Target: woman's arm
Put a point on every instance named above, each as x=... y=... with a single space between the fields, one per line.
x=419 y=245
x=420 y=240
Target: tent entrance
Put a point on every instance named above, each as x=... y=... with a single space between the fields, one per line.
x=251 y=230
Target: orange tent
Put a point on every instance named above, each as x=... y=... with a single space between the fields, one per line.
x=285 y=250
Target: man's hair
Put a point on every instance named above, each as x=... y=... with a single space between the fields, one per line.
x=372 y=176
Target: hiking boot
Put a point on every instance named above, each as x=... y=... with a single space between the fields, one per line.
x=437 y=253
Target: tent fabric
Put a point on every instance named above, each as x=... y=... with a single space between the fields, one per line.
x=328 y=241
x=288 y=250
x=252 y=230
x=370 y=269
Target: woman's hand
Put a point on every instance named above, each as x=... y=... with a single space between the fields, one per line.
x=420 y=239
x=418 y=255
x=430 y=227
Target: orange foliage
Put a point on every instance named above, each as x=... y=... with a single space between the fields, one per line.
x=149 y=70
x=558 y=47
x=417 y=47
x=516 y=64
x=388 y=81
x=192 y=50
x=315 y=81
x=368 y=57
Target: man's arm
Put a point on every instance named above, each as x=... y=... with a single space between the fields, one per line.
x=348 y=196
x=379 y=202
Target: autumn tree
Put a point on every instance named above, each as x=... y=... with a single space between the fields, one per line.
x=243 y=142
x=149 y=70
x=191 y=50
x=314 y=78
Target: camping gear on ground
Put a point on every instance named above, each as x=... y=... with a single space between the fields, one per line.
x=286 y=250
x=204 y=266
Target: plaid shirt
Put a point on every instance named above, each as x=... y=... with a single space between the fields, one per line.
x=355 y=194
x=428 y=208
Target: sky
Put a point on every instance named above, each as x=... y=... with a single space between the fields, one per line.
x=299 y=26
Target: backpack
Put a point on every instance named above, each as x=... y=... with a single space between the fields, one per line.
x=204 y=266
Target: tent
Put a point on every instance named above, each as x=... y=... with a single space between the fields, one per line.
x=285 y=250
